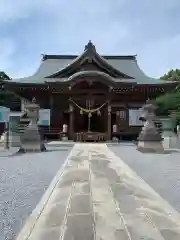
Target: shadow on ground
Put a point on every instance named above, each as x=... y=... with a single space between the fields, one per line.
x=156 y=152
x=17 y=153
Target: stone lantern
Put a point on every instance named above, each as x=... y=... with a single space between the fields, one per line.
x=30 y=139
x=149 y=139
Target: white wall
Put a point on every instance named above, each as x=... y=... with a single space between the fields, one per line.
x=134 y=115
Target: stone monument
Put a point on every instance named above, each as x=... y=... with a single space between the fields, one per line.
x=149 y=139
x=30 y=139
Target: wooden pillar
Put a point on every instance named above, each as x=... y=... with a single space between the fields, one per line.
x=109 y=122
x=71 y=120
x=51 y=110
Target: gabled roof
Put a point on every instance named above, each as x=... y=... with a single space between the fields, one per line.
x=89 y=55
x=123 y=68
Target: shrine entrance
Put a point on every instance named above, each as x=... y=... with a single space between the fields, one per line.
x=90 y=108
x=90 y=121
x=86 y=123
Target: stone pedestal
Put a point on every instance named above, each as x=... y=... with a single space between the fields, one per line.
x=150 y=147
x=149 y=139
x=64 y=137
x=169 y=137
x=14 y=139
x=30 y=139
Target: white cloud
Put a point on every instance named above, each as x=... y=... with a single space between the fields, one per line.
x=65 y=26
x=161 y=56
x=10 y=10
x=8 y=48
x=18 y=9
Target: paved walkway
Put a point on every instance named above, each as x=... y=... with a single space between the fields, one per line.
x=160 y=171
x=98 y=197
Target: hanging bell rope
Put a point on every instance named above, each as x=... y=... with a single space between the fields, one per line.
x=86 y=110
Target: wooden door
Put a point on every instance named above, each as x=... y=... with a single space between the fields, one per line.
x=122 y=118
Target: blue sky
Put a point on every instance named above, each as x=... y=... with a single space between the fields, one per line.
x=150 y=29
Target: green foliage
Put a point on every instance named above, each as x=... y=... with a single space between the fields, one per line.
x=4 y=76
x=172 y=75
x=170 y=101
x=166 y=103
x=8 y=99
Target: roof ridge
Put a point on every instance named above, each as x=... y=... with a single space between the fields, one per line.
x=70 y=56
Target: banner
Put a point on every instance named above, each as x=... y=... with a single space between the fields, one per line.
x=44 y=117
x=134 y=115
x=4 y=114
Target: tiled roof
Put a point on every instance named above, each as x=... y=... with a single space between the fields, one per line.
x=51 y=64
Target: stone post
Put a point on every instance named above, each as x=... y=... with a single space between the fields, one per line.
x=30 y=139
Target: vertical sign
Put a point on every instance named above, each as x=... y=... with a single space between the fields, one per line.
x=4 y=114
x=44 y=117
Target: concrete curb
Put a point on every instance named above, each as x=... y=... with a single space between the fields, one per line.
x=33 y=218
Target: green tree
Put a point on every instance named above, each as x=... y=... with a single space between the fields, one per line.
x=170 y=101
x=172 y=75
x=167 y=102
x=4 y=76
x=8 y=99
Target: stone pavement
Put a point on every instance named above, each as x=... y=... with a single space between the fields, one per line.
x=97 y=196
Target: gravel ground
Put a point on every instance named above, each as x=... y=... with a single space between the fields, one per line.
x=160 y=171
x=23 y=180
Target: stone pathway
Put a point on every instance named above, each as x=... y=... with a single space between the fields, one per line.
x=99 y=197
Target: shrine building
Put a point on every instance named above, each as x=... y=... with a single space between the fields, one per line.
x=96 y=96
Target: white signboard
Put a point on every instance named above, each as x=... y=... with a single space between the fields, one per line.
x=134 y=115
x=4 y=114
x=44 y=117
